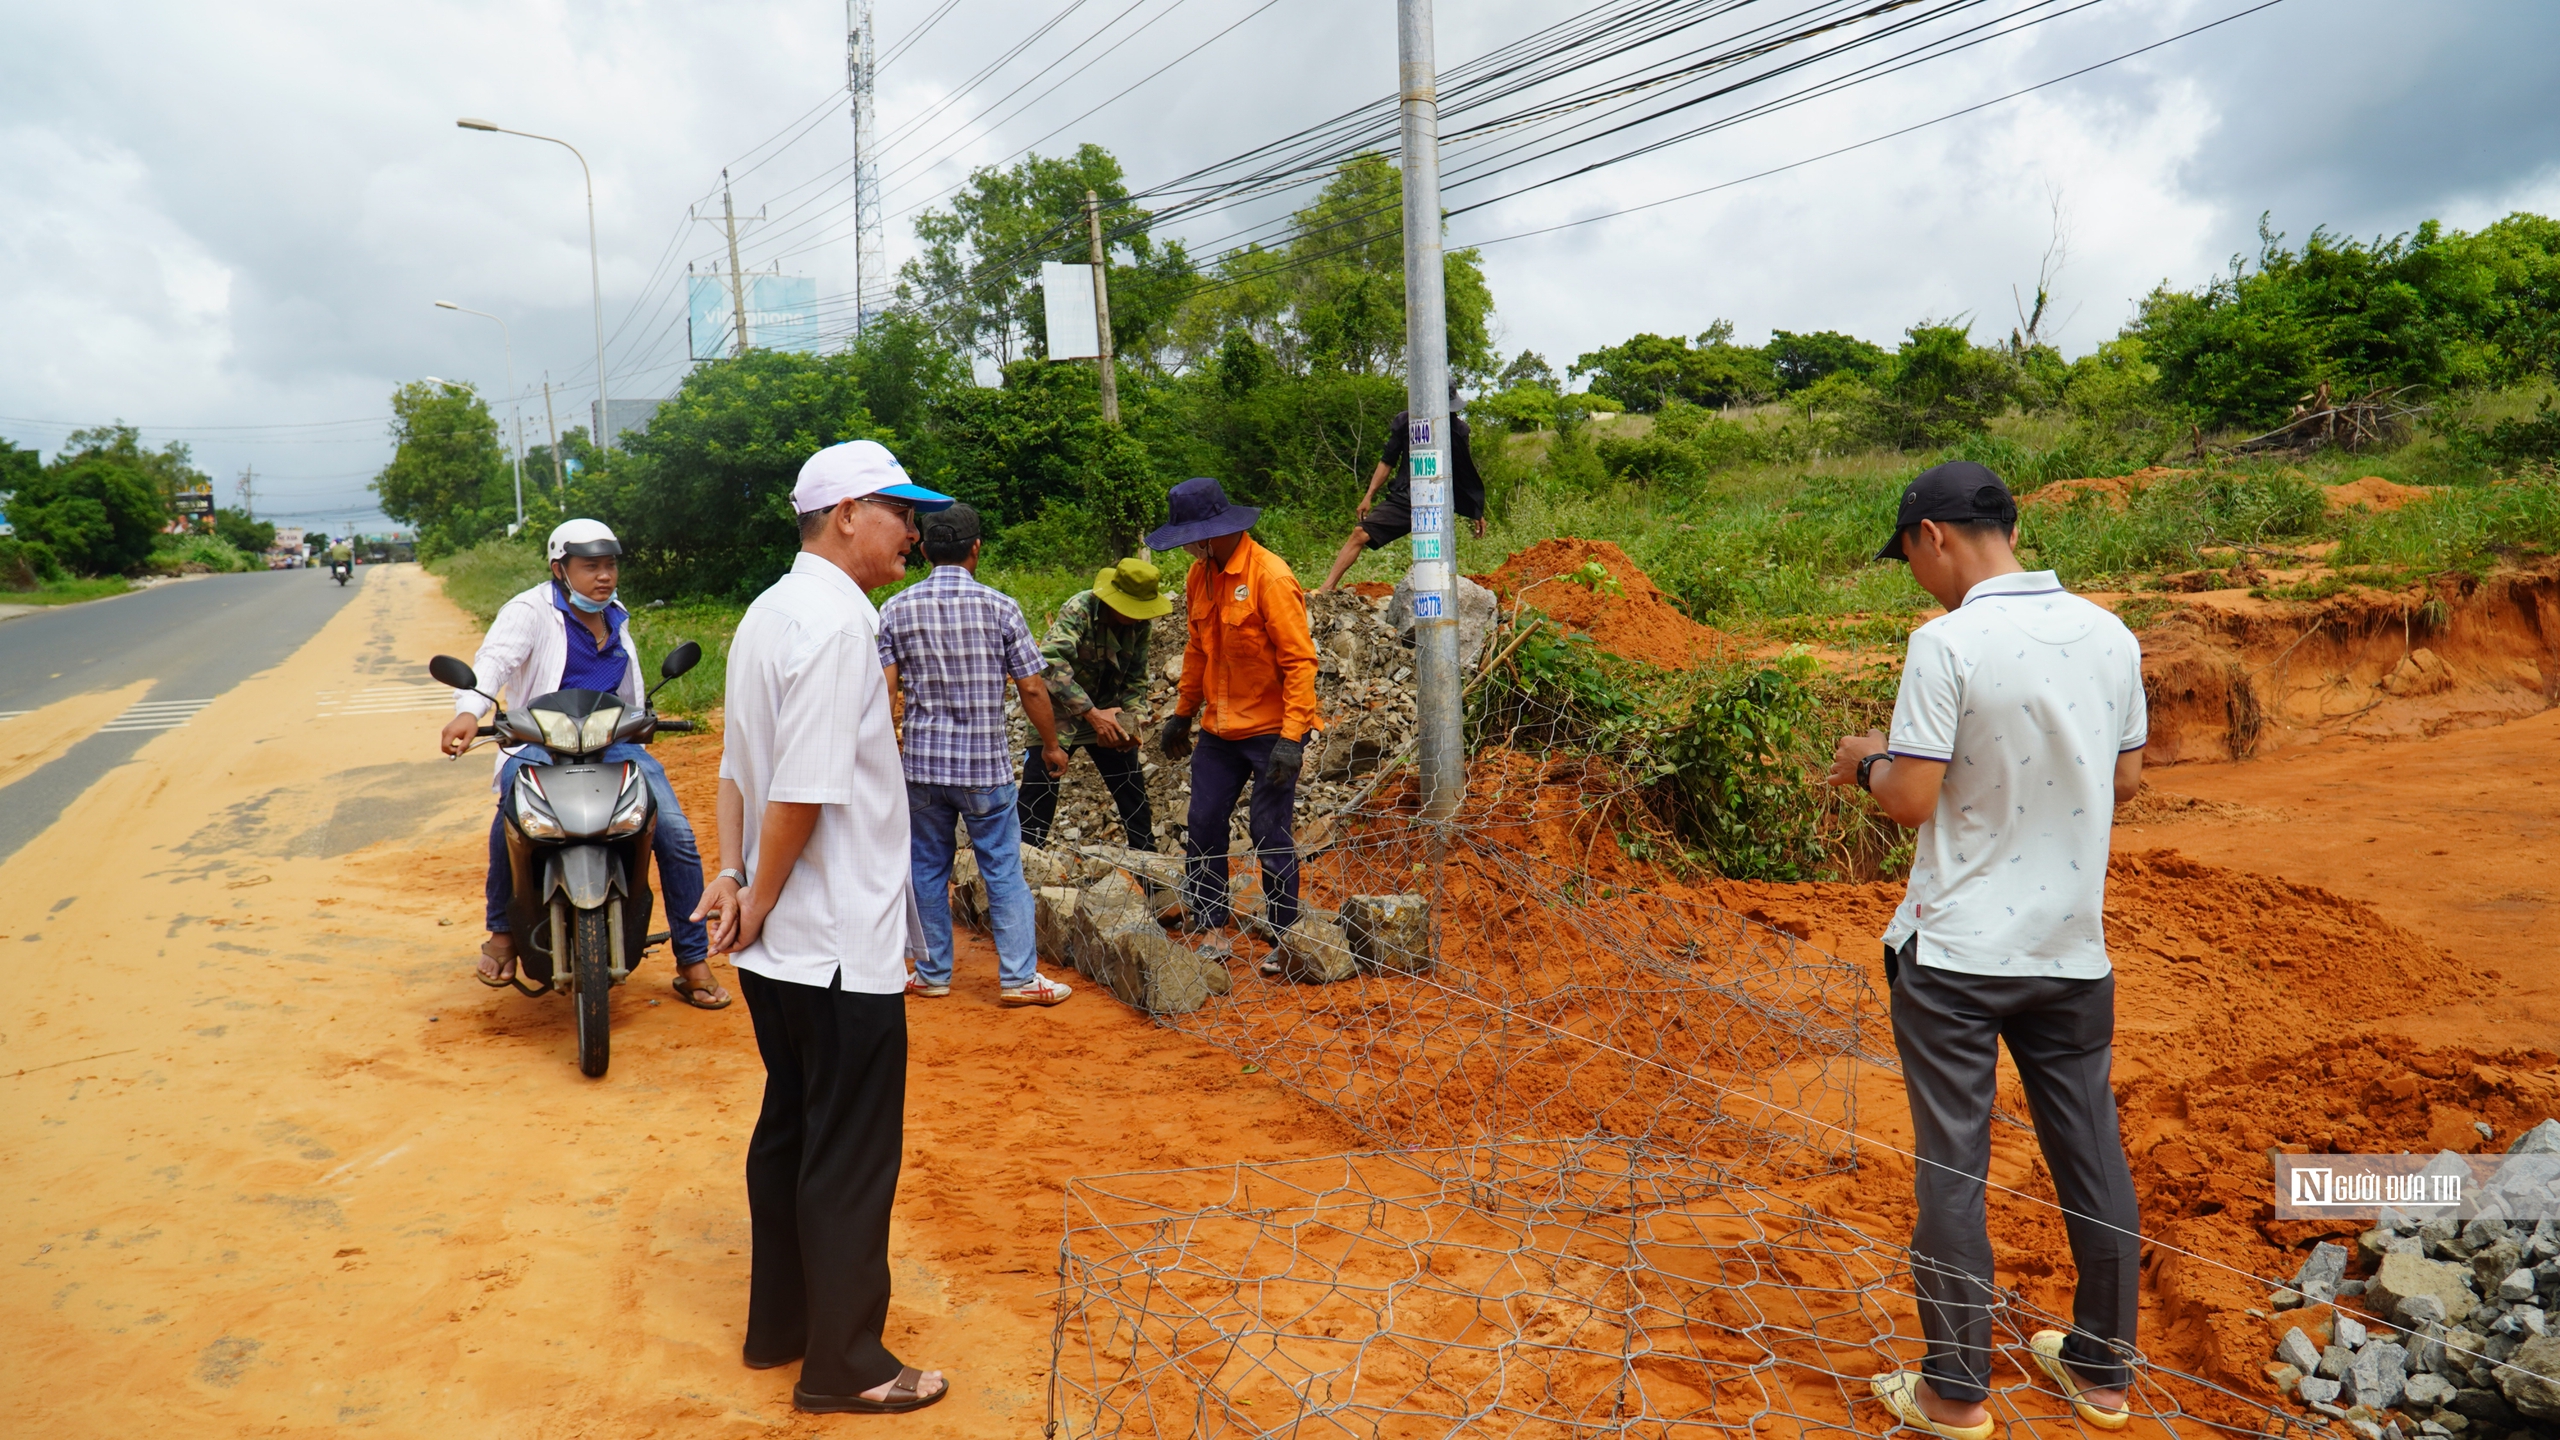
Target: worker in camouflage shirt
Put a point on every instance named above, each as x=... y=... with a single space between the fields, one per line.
x=1097 y=677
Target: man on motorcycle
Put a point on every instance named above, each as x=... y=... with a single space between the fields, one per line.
x=569 y=633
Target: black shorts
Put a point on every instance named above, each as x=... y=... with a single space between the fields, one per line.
x=1386 y=523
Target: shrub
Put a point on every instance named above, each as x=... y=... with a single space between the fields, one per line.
x=26 y=564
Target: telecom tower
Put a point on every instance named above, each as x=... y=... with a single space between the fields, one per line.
x=870 y=250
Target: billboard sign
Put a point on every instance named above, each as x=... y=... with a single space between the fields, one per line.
x=1066 y=293
x=198 y=503
x=782 y=314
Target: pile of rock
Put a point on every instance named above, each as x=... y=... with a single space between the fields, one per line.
x=1364 y=688
x=2461 y=1326
x=1105 y=912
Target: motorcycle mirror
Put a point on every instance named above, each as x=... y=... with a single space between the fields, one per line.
x=449 y=671
x=682 y=658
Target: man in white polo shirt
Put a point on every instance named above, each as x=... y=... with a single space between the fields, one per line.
x=812 y=897
x=2018 y=730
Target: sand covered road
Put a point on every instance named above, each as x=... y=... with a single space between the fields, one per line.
x=275 y=1165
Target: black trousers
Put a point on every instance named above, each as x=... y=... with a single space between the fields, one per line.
x=1948 y=1027
x=1220 y=769
x=822 y=1172
x=1122 y=774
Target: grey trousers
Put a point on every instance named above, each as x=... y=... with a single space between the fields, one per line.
x=1947 y=1027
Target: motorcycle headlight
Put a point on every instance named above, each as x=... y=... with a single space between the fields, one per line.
x=596 y=732
x=533 y=813
x=631 y=807
x=559 y=732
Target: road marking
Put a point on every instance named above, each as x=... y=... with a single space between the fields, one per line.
x=154 y=715
x=394 y=699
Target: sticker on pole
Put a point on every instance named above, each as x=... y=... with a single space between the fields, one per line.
x=1429 y=517
x=1419 y=433
x=1426 y=464
x=1430 y=492
x=1426 y=606
x=1426 y=546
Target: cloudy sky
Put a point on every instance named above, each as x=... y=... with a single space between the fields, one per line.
x=227 y=224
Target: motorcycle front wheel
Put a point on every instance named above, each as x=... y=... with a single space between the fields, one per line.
x=591 y=969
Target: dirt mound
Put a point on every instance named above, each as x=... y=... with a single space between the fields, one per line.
x=2371 y=493
x=2200 y=1145
x=2117 y=492
x=1637 y=622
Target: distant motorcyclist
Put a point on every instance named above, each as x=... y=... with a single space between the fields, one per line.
x=569 y=633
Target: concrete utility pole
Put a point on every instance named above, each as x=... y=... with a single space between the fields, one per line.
x=1439 y=688
x=559 y=474
x=1102 y=310
x=737 y=283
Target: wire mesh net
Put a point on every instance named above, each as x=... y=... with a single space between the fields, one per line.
x=1559 y=1289
x=1546 y=998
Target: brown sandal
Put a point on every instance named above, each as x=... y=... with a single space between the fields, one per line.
x=905 y=1394
x=689 y=992
x=505 y=974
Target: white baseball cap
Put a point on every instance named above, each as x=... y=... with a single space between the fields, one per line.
x=852 y=470
x=583 y=537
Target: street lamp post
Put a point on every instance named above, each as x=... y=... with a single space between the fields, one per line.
x=595 y=273
x=514 y=402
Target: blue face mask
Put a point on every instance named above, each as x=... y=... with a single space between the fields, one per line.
x=585 y=605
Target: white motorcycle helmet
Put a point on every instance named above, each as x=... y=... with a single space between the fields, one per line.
x=582 y=537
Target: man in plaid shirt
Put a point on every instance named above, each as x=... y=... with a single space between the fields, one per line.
x=954 y=644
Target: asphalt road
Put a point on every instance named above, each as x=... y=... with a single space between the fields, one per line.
x=193 y=641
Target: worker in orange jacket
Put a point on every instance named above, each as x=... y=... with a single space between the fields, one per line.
x=1249 y=676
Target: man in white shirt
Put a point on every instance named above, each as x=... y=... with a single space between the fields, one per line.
x=2019 y=727
x=813 y=899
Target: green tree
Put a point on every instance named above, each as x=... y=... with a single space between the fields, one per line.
x=2428 y=309
x=1938 y=388
x=977 y=282
x=703 y=500
x=449 y=475
x=99 y=505
x=1331 y=296
x=1647 y=371
x=1800 y=360
x=241 y=533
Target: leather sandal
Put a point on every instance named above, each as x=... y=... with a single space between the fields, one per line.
x=905 y=1394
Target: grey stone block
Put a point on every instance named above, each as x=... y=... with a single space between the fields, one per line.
x=2296 y=1350
x=2531 y=1379
x=1389 y=932
x=2494 y=1260
x=2335 y=1362
x=2325 y=1265
x=2347 y=1330
x=2416 y=1310
x=1478 y=613
x=1052 y=906
x=2430 y=1391
x=2316 y=1391
x=2399 y=1277
x=2542 y=1139
x=2484 y=1405
x=1314 y=952
x=2379 y=1375
x=2517 y=1287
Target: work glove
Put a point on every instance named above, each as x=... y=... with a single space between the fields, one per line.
x=1286 y=757
x=1175 y=739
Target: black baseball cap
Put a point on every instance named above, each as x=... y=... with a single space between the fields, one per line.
x=1957 y=490
x=954 y=524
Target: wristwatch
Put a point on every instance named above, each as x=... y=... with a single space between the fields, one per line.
x=1867 y=768
x=741 y=876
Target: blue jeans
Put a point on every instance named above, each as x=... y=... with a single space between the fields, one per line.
x=995 y=832
x=679 y=861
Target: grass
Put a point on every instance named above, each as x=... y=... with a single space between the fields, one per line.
x=69 y=591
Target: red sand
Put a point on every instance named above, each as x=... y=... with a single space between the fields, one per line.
x=1638 y=623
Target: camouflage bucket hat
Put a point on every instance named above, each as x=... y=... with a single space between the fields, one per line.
x=1134 y=588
